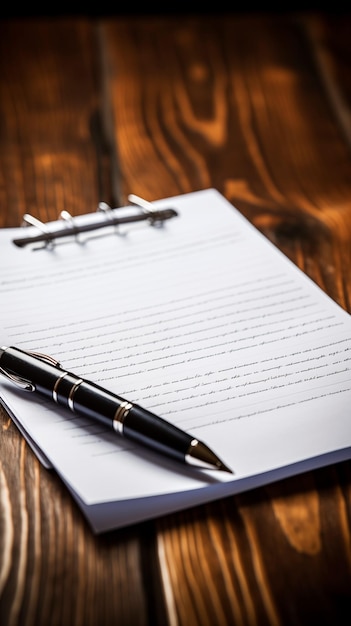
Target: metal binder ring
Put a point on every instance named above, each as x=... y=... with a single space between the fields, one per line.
x=105 y=208
x=30 y=220
x=146 y=207
x=67 y=217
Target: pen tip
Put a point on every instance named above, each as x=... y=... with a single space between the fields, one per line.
x=224 y=468
x=200 y=455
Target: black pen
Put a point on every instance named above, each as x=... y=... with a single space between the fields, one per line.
x=42 y=374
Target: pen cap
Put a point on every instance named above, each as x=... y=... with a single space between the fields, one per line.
x=27 y=367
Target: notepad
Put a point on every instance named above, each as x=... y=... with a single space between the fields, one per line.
x=203 y=321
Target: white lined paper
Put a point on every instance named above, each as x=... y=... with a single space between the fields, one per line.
x=202 y=321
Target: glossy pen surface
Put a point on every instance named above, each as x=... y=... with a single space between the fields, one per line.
x=42 y=374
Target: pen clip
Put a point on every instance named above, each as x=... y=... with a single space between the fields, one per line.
x=45 y=357
x=19 y=382
x=23 y=383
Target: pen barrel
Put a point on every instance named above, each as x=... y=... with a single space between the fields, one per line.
x=130 y=420
x=150 y=430
x=92 y=401
x=95 y=402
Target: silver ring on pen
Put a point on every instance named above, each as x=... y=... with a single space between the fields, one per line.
x=54 y=391
x=72 y=392
x=120 y=416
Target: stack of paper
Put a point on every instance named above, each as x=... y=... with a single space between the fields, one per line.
x=204 y=322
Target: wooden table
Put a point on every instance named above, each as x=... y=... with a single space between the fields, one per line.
x=259 y=107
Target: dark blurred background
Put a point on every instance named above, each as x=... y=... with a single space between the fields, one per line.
x=108 y=7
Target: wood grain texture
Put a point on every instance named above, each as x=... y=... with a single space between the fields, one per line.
x=243 y=106
x=49 y=101
x=53 y=571
x=257 y=106
x=232 y=104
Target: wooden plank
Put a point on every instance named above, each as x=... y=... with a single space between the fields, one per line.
x=49 y=107
x=241 y=104
x=236 y=104
x=331 y=46
x=52 y=569
x=96 y=110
